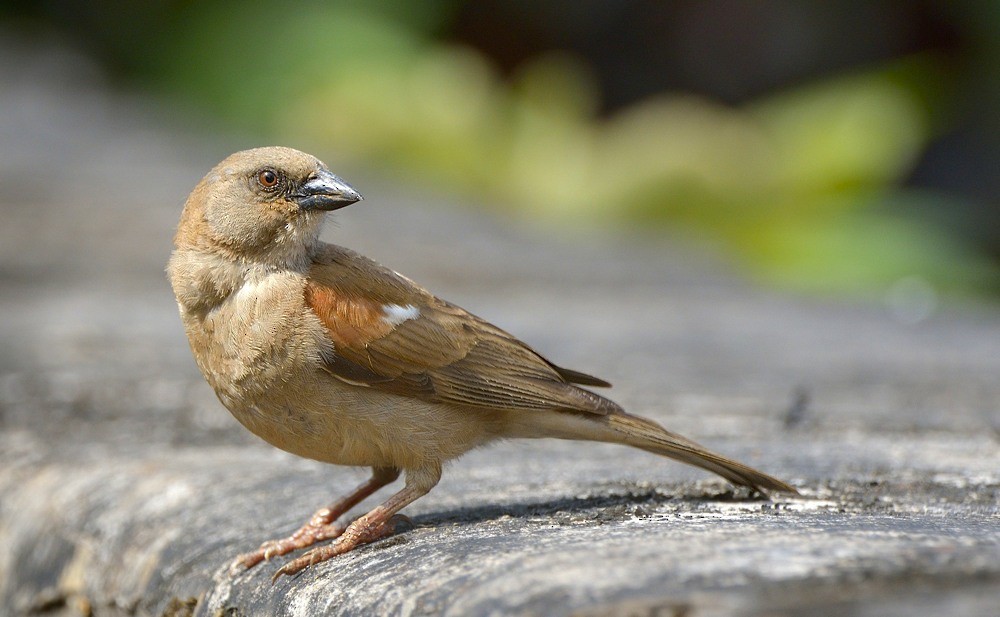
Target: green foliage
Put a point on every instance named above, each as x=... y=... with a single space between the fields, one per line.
x=796 y=185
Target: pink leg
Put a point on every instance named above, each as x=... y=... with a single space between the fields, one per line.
x=322 y=525
x=377 y=524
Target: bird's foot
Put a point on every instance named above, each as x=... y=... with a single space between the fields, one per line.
x=359 y=532
x=320 y=527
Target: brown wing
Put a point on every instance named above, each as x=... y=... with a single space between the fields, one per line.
x=391 y=335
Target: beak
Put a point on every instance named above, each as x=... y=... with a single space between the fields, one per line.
x=325 y=191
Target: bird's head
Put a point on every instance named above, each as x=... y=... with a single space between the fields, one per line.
x=265 y=204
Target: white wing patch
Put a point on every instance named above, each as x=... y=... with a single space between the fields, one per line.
x=394 y=314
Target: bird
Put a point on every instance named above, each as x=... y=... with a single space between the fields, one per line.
x=330 y=356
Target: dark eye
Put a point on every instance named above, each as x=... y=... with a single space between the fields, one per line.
x=268 y=178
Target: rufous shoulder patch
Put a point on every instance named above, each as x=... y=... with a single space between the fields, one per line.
x=352 y=321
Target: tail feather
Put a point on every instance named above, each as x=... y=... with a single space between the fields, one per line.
x=650 y=436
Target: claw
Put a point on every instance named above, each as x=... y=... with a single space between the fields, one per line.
x=359 y=532
x=305 y=537
x=401 y=523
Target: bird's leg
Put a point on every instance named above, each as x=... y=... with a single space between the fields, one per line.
x=377 y=524
x=322 y=525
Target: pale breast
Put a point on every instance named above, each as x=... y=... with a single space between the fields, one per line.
x=254 y=338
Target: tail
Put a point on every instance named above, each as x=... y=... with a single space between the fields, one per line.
x=651 y=437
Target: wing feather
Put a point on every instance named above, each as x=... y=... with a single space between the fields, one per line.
x=440 y=354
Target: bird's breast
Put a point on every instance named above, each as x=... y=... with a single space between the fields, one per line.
x=256 y=340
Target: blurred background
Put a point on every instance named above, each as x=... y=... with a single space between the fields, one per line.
x=838 y=148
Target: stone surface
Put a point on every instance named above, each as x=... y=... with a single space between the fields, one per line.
x=125 y=487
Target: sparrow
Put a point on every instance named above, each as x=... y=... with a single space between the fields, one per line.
x=328 y=355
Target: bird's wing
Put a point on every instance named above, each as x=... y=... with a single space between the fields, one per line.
x=389 y=334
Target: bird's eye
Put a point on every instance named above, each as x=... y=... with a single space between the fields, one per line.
x=268 y=178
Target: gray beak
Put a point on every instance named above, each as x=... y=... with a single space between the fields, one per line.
x=325 y=191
